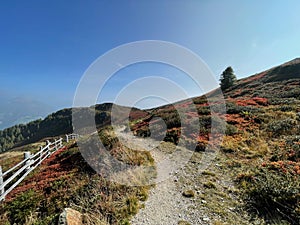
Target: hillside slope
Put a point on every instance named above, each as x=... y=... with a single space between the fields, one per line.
x=66 y=180
x=253 y=179
x=55 y=124
x=261 y=148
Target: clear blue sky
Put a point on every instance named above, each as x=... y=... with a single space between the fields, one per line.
x=47 y=45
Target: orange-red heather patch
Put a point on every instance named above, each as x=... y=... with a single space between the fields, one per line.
x=137 y=115
x=184 y=105
x=239 y=121
x=283 y=166
x=54 y=155
x=51 y=169
x=255 y=77
x=166 y=109
x=192 y=114
x=261 y=101
x=255 y=101
x=202 y=139
x=202 y=104
x=245 y=102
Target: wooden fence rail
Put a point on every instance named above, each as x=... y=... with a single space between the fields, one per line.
x=71 y=137
x=13 y=176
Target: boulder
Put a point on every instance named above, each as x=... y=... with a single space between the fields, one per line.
x=70 y=217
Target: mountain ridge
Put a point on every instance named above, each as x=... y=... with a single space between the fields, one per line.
x=254 y=178
x=282 y=73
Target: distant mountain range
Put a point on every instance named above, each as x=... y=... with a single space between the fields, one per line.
x=21 y=110
x=55 y=124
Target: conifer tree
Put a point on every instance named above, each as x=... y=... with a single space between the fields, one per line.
x=227 y=78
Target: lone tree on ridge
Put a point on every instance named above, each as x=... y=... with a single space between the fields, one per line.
x=227 y=78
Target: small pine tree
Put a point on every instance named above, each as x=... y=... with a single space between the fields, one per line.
x=227 y=79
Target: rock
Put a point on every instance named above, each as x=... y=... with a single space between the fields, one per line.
x=188 y=193
x=182 y=222
x=205 y=219
x=70 y=217
x=62 y=218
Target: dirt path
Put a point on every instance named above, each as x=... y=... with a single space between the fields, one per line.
x=214 y=199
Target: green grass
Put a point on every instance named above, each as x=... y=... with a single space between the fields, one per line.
x=79 y=188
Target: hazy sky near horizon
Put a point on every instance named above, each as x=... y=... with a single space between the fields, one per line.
x=46 y=46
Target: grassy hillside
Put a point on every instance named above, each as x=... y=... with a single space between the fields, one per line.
x=58 y=123
x=260 y=153
x=261 y=147
x=66 y=180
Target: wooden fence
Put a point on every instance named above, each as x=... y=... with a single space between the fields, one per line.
x=71 y=137
x=12 y=177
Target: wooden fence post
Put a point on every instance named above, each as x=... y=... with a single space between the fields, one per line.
x=41 y=154
x=55 y=144
x=48 y=148
x=1 y=181
x=28 y=162
x=31 y=161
